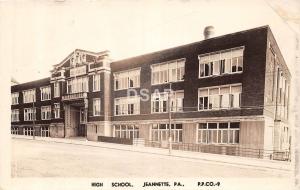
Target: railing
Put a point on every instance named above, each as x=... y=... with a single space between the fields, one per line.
x=74 y=96
x=232 y=150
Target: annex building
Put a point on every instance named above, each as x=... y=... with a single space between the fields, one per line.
x=227 y=91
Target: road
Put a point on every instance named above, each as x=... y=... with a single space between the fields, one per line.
x=49 y=159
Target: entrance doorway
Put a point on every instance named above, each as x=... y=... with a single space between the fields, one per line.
x=82 y=123
x=82 y=130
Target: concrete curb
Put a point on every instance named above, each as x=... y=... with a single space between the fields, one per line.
x=258 y=164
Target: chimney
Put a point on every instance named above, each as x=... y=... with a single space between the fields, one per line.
x=209 y=32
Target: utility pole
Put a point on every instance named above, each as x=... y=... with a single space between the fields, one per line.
x=170 y=117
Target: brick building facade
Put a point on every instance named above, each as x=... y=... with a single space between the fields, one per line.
x=230 y=90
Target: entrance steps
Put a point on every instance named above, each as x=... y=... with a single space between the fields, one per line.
x=139 y=141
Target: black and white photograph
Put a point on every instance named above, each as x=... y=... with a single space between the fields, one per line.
x=171 y=94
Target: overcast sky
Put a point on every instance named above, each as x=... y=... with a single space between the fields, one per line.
x=46 y=32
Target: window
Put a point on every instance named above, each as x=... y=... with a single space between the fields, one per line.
x=77 y=85
x=219 y=133
x=14 y=131
x=56 y=89
x=220 y=97
x=28 y=131
x=15 y=98
x=126 y=131
x=15 y=115
x=160 y=132
x=159 y=102
x=96 y=107
x=177 y=101
x=223 y=62
x=127 y=79
x=46 y=112
x=45 y=132
x=29 y=96
x=45 y=93
x=96 y=82
x=235 y=96
x=56 y=110
x=29 y=114
x=127 y=105
x=172 y=71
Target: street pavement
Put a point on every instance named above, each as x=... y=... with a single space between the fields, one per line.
x=34 y=158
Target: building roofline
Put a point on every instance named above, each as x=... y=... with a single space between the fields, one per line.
x=86 y=51
x=34 y=81
x=193 y=43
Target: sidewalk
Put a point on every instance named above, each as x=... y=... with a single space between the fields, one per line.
x=260 y=164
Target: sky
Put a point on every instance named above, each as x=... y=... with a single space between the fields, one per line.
x=45 y=32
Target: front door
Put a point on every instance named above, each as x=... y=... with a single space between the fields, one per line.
x=82 y=130
x=82 y=124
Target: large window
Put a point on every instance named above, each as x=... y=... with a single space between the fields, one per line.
x=127 y=79
x=45 y=132
x=77 y=85
x=126 y=131
x=177 y=98
x=160 y=132
x=56 y=110
x=220 y=97
x=28 y=131
x=56 y=89
x=14 y=131
x=159 y=102
x=45 y=93
x=46 y=112
x=15 y=115
x=29 y=114
x=15 y=98
x=29 y=96
x=96 y=82
x=172 y=71
x=222 y=62
x=127 y=105
x=96 y=106
x=219 y=133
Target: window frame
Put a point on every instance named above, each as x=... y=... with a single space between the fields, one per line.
x=56 y=111
x=56 y=89
x=27 y=91
x=156 y=98
x=49 y=94
x=124 y=102
x=47 y=111
x=220 y=95
x=160 y=132
x=15 y=113
x=169 y=69
x=212 y=62
x=220 y=131
x=119 y=78
x=78 y=85
x=32 y=112
x=15 y=96
x=96 y=76
x=94 y=106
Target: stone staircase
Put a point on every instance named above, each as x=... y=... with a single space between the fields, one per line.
x=139 y=141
